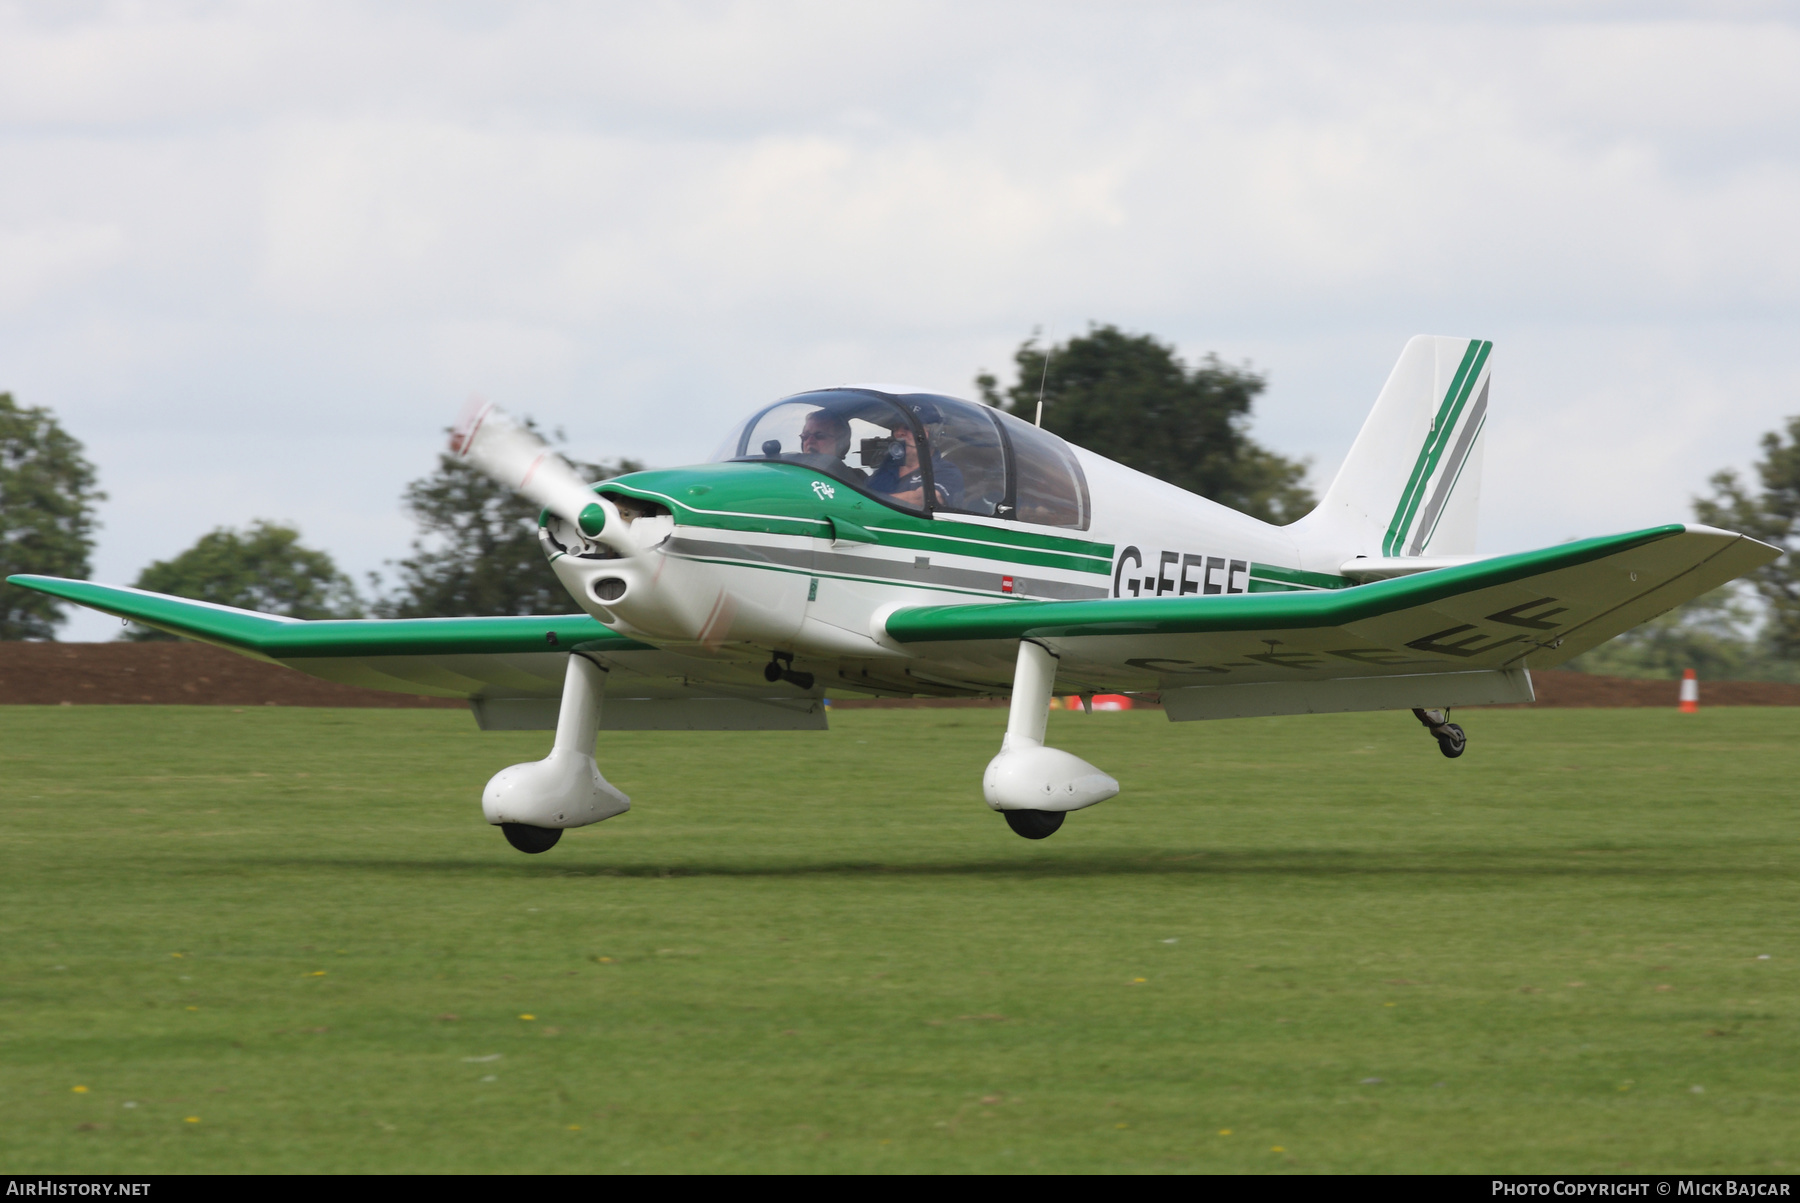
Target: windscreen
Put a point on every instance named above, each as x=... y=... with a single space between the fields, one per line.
x=860 y=438
x=871 y=441
x=968 y=464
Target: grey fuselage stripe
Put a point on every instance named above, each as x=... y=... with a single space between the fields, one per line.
x=1452 y=472
x=909 y=571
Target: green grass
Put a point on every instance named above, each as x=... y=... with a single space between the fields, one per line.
x=821 y=951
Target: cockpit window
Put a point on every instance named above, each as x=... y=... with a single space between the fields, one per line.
x=966 y=449
x=864 y=439
x=1048 y=484
x=920 y=452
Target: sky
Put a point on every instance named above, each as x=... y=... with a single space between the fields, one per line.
x=257 y=256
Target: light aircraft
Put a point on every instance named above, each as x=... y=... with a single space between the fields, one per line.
x=882 y=540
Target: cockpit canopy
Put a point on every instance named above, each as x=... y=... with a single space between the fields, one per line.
x=921 y=452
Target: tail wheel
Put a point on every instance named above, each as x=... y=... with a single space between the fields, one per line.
x=527 y=838
x=1453 y=741
x=1034 y=824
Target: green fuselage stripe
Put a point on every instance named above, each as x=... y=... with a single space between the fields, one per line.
x=817 y=512
x=909 y=540
x=922 y=586
x=988 y=551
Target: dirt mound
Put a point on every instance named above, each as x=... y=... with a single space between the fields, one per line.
x=198 y=674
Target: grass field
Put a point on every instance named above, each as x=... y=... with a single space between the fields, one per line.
x=284 y=940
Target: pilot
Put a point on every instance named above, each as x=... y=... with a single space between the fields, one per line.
x=900 y=478
x=825 y=433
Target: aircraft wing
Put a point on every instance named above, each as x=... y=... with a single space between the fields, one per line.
x=509 y=668
x=1461 y=635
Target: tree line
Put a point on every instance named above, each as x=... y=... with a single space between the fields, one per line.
x=1128 y=397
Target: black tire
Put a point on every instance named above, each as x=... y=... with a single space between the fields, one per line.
x=1034 y=824
x=527 y=838
x=1452 y=745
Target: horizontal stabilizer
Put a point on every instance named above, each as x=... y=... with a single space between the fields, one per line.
x=1384 y=568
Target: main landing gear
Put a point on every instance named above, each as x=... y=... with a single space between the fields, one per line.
x=1450 y=737
x=1032 y=785
x=533 y=803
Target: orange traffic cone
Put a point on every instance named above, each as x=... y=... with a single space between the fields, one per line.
x=1690 y=692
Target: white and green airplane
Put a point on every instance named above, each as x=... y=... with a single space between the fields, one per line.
x=881 y=540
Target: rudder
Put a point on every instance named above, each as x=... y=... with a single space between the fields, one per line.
x=1412 y=480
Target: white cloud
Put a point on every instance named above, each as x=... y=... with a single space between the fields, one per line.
x=38 y=260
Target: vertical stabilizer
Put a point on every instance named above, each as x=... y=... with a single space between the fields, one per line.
x=1412 y=480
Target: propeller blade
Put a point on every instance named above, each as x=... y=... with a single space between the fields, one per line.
x=514 y=456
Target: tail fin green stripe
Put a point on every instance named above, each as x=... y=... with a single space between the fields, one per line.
x=1445 y=427
x=1421 y=472
x=1461 y=385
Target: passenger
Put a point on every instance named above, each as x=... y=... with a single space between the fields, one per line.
x=827 y=434
x=901 y=479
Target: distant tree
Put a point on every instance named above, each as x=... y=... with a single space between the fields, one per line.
x=480 y=553
x=1129 y=398
x=47 y=499
x=264 y=568
x=1772 y=515
x=1746 y=630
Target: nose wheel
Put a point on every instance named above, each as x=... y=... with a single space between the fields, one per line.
x=1451 y=738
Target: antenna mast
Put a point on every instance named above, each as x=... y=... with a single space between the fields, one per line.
x=1042 y=378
